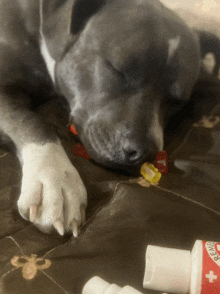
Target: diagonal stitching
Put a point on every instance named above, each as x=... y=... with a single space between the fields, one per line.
x=55 y=248
x=189 y=200
x=19 y=247
x=116 y=187
x=7 y=273
x=10 y=237
x=49 y=277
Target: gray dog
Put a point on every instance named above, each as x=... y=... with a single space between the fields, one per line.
x=123 y=66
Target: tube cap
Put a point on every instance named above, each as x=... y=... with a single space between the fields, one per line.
x=167 y=270
x=97 y=285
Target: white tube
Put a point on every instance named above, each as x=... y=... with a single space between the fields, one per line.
x=179 y=271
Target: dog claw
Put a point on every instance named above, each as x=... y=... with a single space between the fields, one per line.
x=83 y=213
x=32 y=212
x=74 y=228
x=59 y=227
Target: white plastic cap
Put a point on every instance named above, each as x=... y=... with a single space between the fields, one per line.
x=129 y=290
x=97 y=285
x=167 y=270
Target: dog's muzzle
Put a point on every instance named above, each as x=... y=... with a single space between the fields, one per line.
x=117 y=149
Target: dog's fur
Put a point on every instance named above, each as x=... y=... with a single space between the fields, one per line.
x=124 y=66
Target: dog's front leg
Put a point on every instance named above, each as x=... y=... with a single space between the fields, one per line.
x=52 y=192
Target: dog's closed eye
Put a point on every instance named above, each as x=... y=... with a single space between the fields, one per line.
x=116 y=71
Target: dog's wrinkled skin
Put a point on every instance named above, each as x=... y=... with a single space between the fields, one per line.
x=124 y=66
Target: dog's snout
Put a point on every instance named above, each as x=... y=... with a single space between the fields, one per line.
x=119 y=149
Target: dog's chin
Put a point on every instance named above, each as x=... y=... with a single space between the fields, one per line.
x=131 y=171
x=122 y=168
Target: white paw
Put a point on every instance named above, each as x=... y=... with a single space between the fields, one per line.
x=52 y=192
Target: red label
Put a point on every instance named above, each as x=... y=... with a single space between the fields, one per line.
x=211 y=268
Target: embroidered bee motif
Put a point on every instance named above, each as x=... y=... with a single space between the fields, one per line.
x=30 y=265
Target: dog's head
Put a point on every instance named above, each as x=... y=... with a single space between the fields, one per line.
x=125 y=66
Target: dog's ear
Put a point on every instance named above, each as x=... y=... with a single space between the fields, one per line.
x=62 y=20
x=55 y=25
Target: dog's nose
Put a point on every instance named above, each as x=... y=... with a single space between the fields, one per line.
x=133 y=155
x=133 y=152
